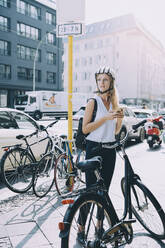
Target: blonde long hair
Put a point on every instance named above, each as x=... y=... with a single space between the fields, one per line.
x=113 y=95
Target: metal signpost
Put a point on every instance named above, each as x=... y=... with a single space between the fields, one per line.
x=70 y=22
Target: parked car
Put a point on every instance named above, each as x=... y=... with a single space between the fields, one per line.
x=76 y=117
x=14 y=122
x=145 y=113
x=129 y=120
x=162 y=113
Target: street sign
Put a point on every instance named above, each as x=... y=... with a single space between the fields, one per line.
x=70 y=29
x=70 y=11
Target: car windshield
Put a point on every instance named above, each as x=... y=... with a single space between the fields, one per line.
x=142 y=115
x=21 y=100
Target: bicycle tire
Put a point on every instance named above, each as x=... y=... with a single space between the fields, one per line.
x=147 y=209
x=66 y=180
x=17 y=170
x=44 y=175
x=69 y=236
x=63 y=181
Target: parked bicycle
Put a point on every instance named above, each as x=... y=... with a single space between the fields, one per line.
x=67 y=176
x=18 y=163
x=93 y=207
x=60 y=170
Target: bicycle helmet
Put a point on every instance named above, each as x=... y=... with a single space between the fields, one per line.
x=105 y=70
x=109 y=72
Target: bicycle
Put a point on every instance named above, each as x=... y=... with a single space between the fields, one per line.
x=18 y=163
x=60 y=170
x=44 y=173
x=103 y=228
x=67 y=177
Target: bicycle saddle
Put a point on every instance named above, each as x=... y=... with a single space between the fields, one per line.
x=90 y=164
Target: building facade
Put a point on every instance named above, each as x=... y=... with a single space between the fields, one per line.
x=123 y=44
x=30 y=52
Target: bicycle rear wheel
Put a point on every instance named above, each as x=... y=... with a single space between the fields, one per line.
x=44 y=175
x=17 y=170
x=63 y=181
x=147 y=209
x=66 y=180
x=90 y=203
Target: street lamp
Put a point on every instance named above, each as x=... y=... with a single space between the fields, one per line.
x=35 y=58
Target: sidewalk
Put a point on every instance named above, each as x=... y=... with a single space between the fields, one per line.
x=34 y=224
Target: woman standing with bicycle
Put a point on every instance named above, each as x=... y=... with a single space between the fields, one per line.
x=102 y=130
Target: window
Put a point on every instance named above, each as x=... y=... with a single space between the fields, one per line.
x=28 y=9
x=5 y=48
x=21 y=100
x=84 y=61
x=32 y=99
x=90 y=60
x=28 y=31
x=50 y=18
x=6 y=121
x=51 y=58
x=5 y=3
x=5 y=71
x=23 y=121
x=99 y=43
x=77 y=62
x=75 y=76
x=51 y=38
x=51 y=77
x=27 y=74
x=28 y=53
x=4 y=24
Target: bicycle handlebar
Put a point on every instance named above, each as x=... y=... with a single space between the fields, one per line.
x=134 y=127
x=42 y=128
x=120 y=142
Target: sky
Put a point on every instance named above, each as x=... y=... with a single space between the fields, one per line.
x=150 y=13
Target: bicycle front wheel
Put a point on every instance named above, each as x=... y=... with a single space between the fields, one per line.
x=86 y=210
x=65 y=178
x=17 y=170
x=44 y=175
x=147 y=209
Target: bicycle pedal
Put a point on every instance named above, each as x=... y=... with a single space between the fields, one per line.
x=118 y=227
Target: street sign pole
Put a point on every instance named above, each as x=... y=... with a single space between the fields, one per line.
x=70 y=22
x=70 y=68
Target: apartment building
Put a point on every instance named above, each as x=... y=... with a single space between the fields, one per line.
x=126 y=46
x=30 y=52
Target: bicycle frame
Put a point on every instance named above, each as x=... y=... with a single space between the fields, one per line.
x=129 y=177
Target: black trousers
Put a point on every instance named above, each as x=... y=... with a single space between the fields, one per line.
x=108 y=166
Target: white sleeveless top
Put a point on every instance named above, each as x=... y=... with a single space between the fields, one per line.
x=106 y=132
